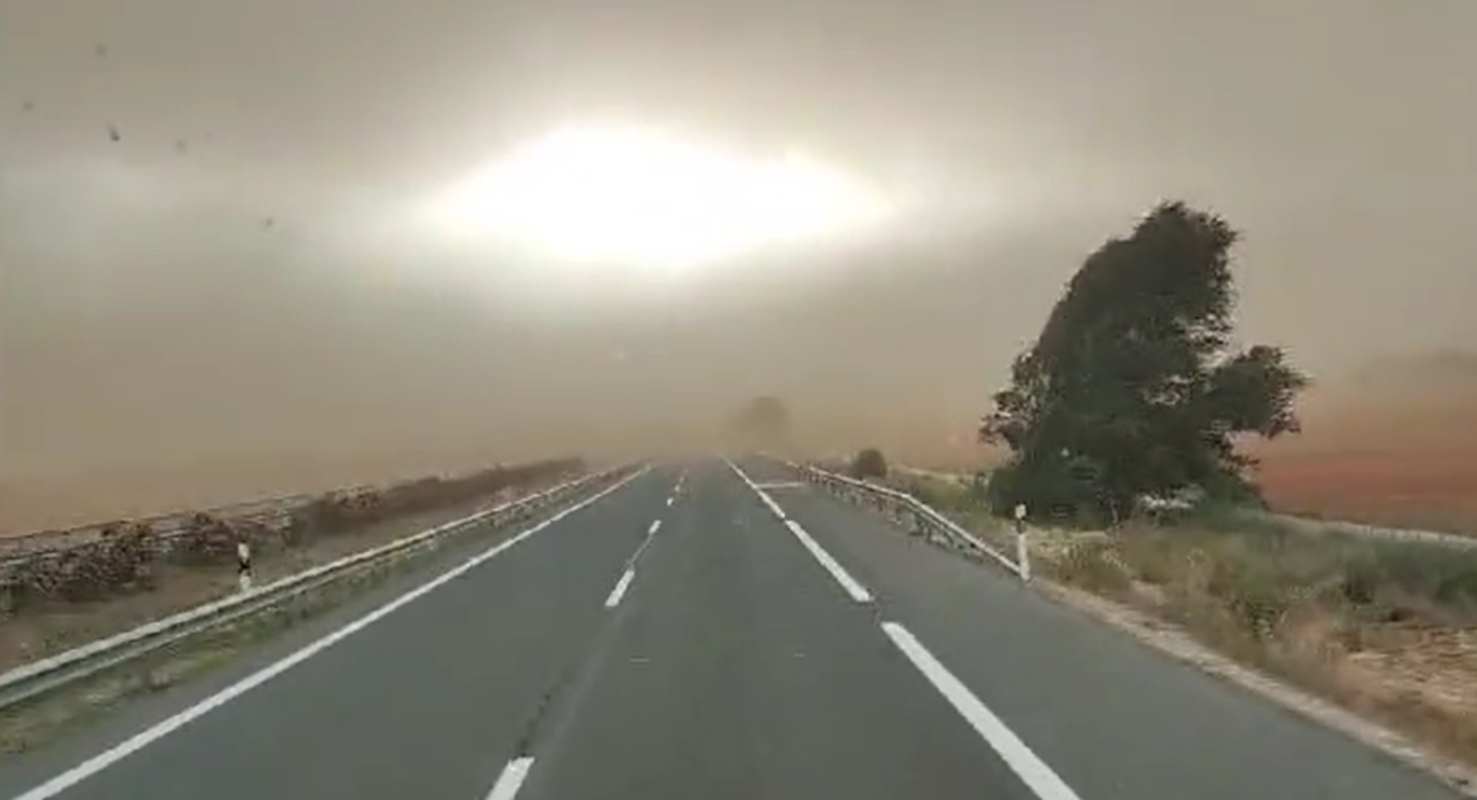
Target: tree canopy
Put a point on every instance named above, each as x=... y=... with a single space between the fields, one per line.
x=763 y=421
x=869 y=463
x=1131 y=388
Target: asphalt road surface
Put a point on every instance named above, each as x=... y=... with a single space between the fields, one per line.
x=677 y=638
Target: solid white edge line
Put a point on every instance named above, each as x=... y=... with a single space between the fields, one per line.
x=511 y=779
x=858 y=592
x=159 y=730
x=1025 y=764
x=773 y=506
x=768 y=501
x=620 y=589
x=656 y=525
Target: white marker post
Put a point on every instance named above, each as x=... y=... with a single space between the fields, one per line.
x=243 y=564
x=1022 y=557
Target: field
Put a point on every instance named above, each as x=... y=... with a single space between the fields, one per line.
x=1431 y=490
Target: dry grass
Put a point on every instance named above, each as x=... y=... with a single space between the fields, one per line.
x=1387 y=629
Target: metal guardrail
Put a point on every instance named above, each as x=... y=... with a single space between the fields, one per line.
x=28 y=681
x=915 y=516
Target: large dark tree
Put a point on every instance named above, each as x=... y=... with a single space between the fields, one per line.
x=1131 y=388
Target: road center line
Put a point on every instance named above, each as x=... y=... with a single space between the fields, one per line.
x=650 y=534
x=511 y=779
x=768 y=501
x=851 y=586
x=858 y=592
x=1027 y=766
x=620 y=589
x=159 y=730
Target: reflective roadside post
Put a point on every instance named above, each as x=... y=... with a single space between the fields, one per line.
x=1021 y=556
x=243 y=563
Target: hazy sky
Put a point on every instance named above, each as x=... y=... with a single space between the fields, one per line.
x=248 y=272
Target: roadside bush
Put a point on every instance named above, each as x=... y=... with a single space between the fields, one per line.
x=869 y=463
x=1382 y=626
x=1155 y=559
x=940 y=494
x=342 y=510
x=1093 y=565
x=1459 y=590
x=1258 y=574
x=1062 y=491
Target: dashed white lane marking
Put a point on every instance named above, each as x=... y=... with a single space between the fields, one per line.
x=858 y=592
x=669 y=502
x=1031 y=769
x=140 y=740
x=620 y=589
x=511 y=779
x=645 y=543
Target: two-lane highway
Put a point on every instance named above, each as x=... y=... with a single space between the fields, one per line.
x=705 y=631
x=736 y=668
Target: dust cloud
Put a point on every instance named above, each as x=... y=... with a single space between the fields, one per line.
x=212 y=286
x=1393 y=443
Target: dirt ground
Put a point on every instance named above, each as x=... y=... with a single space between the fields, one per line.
x=1432 y=490
x=36 y=632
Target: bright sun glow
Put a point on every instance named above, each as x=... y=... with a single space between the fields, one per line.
x=636 y=195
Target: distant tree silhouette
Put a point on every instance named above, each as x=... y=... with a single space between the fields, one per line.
x=764 y=422
x=869 y=463
x=1130 y=389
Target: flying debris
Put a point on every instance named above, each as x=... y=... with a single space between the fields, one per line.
x=268 y=222
x=181 y=146
x=113 y=133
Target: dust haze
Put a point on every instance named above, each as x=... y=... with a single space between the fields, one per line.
x=211 y=285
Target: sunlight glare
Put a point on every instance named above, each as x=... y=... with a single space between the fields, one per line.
x=641 y=196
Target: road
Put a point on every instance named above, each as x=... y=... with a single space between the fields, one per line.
x=676 y=638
